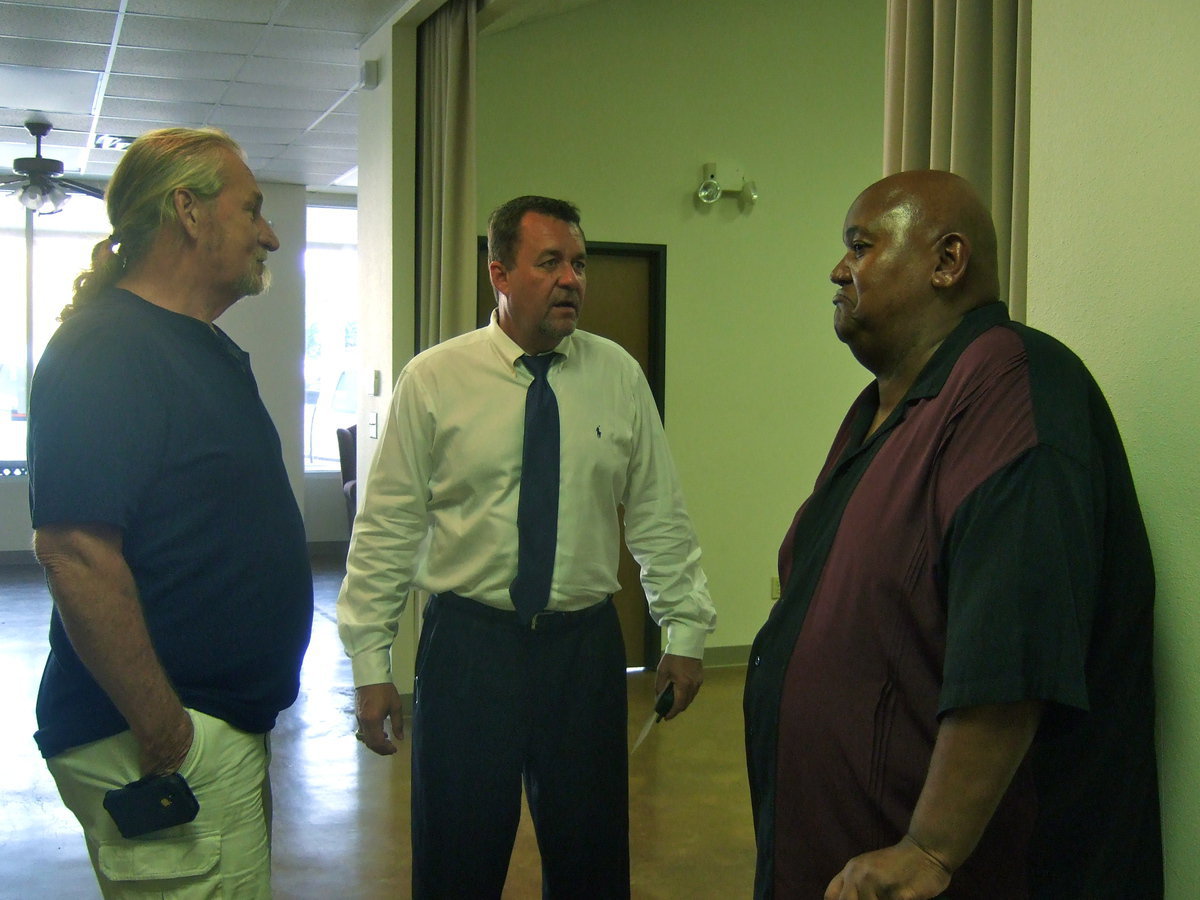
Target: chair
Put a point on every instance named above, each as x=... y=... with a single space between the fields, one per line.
x=347 y=439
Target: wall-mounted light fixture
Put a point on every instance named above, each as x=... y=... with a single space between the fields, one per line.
x=710 y=190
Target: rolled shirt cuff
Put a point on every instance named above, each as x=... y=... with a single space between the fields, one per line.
x=372 y=667
x=685 y=640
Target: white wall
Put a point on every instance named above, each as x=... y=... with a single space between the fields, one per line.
x=1113 y=235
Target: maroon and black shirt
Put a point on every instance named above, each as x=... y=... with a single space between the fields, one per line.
x=983 y=546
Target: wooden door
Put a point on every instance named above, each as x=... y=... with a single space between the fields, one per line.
x=626 y=299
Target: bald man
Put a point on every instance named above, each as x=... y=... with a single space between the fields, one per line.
x=953 y=696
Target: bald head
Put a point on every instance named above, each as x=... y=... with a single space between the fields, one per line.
x=920 y=253
x=925 y=206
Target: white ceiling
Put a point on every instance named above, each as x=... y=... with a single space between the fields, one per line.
x=279 y=75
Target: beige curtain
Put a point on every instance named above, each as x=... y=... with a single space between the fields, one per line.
x=956 y=97
x=446 y=254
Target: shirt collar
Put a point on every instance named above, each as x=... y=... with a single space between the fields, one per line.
x=510 y=350
x=931 y=379
x=974 y=323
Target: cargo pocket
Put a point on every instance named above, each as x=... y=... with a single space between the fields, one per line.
x=186 y=856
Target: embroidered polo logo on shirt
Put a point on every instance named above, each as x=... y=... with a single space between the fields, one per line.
x=598 y=431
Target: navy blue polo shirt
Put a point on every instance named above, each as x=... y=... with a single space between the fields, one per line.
x=151 y=421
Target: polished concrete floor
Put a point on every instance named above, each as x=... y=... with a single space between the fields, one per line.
x=341 y=813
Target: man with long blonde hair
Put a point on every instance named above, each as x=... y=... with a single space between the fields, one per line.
x=172 y=543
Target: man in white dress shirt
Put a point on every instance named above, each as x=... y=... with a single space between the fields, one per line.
x=501 y=697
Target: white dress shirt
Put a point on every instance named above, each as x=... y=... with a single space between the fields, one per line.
x=440 y=505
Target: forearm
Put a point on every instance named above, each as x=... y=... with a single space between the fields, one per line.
x=978 y=750
x=97 y=600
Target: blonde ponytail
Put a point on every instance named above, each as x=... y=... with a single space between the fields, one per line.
x=107 y=266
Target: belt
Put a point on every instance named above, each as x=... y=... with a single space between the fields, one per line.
x=548 y=620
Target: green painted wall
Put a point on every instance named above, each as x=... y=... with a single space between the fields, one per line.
x=1113 y=237
x=616 y=106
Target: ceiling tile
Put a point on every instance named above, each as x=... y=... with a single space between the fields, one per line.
x=74 y=25
x=176 y=64
x=53 y=145
x=10 y=149
x=100 y=170
x=146 y=87
x=191 y=35
x=344 y=157
x=263 y=150
x=50 y=90
x=289 y=171
x=11 y=131
x=52 y=7
x=262 y=135
x=280 y=96
x=334 y=131
x=63 y=124
x=257 y=11
x=156 y=110
x=361 y=17
x=311 y=75
x=69 y=156
x=272 y=118
x=325 y=140
x=134 y=127
x=309 y=45
x=102 y=162
x=53 y=54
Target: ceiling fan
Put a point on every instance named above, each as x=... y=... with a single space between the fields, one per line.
x=39 y=183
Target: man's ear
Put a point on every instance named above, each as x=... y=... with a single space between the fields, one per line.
x=187 y=211
x=499 y=277
x=954 y=252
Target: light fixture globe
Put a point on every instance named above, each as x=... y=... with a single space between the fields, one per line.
x=710 y=191
x=42 y=196
x=32 y=196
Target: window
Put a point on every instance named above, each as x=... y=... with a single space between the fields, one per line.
x=40 y=257
x=330 y=332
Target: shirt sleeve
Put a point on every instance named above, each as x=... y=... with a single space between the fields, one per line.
x=388 y=532
x=1021 y=562
x=660 y=535
x=96 y=430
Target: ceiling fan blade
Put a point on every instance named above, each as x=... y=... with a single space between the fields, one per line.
x=79 y=187
x=12 y=179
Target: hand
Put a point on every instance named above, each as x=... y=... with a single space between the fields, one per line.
x=904 y=871
x=373 y=705
x=166 y=751
x=686 y=674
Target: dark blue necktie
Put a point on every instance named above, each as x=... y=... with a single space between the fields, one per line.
x=537 y=508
